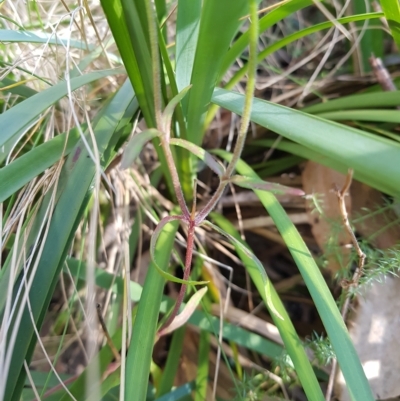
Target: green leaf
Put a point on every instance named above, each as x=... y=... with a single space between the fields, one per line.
x=286 y=329
x=258 y=275
x=187 y=32
x=116 y=19
x=220 y=20
x=296 y=36
x=73 y=193
x=346 y=354
x=257 y=183
x=285 y=9
x=169 y=110
x=21 y=116
x=391 y=8
x=19 y=172
x=145 y=326
x=386 y=116
x=136 y=144
x=8 y=35
x=360 y=101
x=374 y=159
x=202 y=154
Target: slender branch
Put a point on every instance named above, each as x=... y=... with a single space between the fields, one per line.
x=186 y=274
x=248 y=102
x=155 y=55
x=357 y=274
x=251 y=83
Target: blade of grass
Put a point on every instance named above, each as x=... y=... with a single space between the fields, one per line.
x=172 y=364
x=202 y=367
x=284 y=42
x=19 y=117
x=346 y=354
x=220 y=21
x=392 y=15
x=286 y=329
x=187 y=32
x=361 y=101
x=74 y=193
x=274 y=16
x=199 y=319
x=145 y=326
x=142 y=84
x=22 y=170
x=373 y=158
x=12 y=36
x=385 y=116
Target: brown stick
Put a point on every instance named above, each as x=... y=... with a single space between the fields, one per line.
x=357 y=274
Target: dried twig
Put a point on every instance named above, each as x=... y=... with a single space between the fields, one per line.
x=341 y=193
x=106 y=333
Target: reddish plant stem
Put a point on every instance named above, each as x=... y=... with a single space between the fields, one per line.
x=175 y=178
x=186 y=275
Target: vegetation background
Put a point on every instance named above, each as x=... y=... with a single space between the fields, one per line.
x=125 y=125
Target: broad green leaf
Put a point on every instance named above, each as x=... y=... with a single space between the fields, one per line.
x=219 y=23
x=254 y=183
x=19 y=172
x=187 y=31
x=173 y=361
x=144 y=329
x=136 y=144
x=286 y=329
x=19 y=117
x=203 y=367
x=202 y=154
x=116 y=19
x=391 y=8
x=374 y=159
x=346 y=354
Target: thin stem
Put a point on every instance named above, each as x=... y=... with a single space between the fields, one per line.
x=251 y=82
x=155 y=55
x=244 y=125
x=175 y=178
x=186 y=274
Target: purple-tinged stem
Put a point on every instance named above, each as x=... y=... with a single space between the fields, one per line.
x=186 y=275
x=175 y=178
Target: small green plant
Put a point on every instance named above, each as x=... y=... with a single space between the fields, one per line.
x=51 y=184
